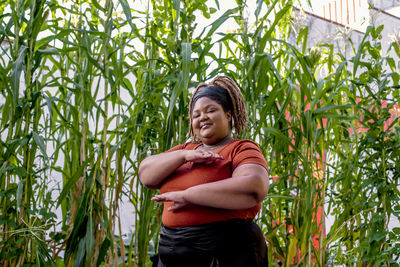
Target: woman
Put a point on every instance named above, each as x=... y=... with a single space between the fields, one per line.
x=211 y=187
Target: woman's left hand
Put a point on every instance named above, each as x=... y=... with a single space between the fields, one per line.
x=177 y=197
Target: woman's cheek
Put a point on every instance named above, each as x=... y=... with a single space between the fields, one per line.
x=195 y=124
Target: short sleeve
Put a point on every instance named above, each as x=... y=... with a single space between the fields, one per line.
x=188 y=145
x=247 y=152
x=175 y=148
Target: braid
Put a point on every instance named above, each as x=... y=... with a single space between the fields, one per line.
x=239 y=108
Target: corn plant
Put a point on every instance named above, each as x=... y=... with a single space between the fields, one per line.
x=367 y=176
x=24 y=160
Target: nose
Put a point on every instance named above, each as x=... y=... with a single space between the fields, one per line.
x=203 y=116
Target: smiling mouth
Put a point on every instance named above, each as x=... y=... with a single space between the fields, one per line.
x=205 y=126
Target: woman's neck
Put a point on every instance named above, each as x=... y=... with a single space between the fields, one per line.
x=227 y=139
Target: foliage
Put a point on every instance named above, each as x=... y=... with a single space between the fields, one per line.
x=90 y=88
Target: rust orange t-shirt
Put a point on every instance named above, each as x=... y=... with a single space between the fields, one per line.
x=190 y=174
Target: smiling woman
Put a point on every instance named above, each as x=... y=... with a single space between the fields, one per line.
x=211 y=187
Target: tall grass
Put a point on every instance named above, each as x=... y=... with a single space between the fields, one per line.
x=90 y=88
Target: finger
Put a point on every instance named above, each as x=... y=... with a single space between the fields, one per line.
x=207 y=154
x=212 y=155
x=159 y=198
x=172 y=208
x=218 y=156
x=176 y=206
x=200 y=156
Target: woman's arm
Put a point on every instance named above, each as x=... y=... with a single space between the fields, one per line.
x=246 y=188
x=154 y=169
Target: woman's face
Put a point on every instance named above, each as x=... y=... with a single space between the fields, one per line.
x=210 y=122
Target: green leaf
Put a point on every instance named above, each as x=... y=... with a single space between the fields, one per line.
x=90 y=240
x=17 y=68
x=332 y=107
x=258 y=9
x=280 y=136
x=396 y=230
x=176 y=4
x=282 y=197
x=20 y=191
x=71 y=182
x=100 y=7
x=79 y=260
x=21 y=172
x=184 y=76
x=48 y=51
x=186 y=62
x=40 y=142
x=271 y=28
x=217 y=23
x=103 y=251
x=357 y=57
x=5 y=111
x=128 y=14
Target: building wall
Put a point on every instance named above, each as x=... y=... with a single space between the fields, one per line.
x=333 y=21
x=384 y=4
x=391 y=25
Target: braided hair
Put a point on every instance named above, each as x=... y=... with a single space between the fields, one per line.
x=225 y=92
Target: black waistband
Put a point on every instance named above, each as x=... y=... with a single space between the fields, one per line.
x=208 y=226
x=202 y=236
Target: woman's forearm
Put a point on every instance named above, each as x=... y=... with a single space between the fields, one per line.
x=154 y=169
x=246 y=188
x=239 y=192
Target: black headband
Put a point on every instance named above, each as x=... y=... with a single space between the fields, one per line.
x=216 y=93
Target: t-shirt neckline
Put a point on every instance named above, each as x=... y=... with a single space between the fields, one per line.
x=219 y=150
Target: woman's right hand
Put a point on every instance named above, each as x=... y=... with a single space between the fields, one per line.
x=200 y=156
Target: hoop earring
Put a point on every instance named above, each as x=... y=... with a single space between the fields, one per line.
x=195 y=139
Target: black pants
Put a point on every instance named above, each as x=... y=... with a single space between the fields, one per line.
x=233 y=243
